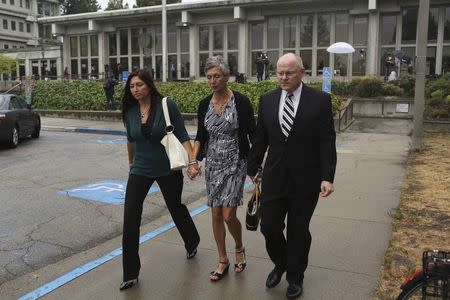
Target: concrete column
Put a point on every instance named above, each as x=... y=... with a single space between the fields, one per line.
x=59 y=69
x=193 y=53
x=314 y=48
x=332 y=38
x=164 y=41
x=101 y=37
x=440 y=41
x=27 y=67
x=372 y=44
x=244 y=55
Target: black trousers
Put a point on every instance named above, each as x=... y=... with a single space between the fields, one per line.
x=137 y=188
x=289 y=253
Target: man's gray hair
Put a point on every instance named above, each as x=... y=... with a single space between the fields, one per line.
x=217 y=61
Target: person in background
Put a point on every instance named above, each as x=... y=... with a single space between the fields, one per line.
x=295 y=125
x=108 y=86
x=144 y=120
x=226 y=125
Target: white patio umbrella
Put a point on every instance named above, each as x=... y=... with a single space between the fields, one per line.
x=341 y=48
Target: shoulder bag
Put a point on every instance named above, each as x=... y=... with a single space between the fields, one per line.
x=175 y=151
x=253 y=209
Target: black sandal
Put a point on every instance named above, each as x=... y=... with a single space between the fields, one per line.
x=239 y=267
x=128 y=284
x=218 y=275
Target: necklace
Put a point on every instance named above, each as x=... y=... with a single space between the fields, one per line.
x=144 y=113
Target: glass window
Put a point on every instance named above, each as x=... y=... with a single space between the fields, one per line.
x=148 y=64
x=340 y=64
x=73 y=68
x=135 y=41
x=73 y=46
x=204 y=38
x=341 y=34
x=446 y=59
x=323 y=60
x=112 y=68
x=323 y=30
x=28 y=27
x=388 y=29
x=83 y=46
x=135 y=63
x=5 y=24
x=359 y=62
x=289 y=26
x=408 y=66
x=172 y=38
x=146 y=43
x=158 y=39
x=172 y=67
x=447 y=25
x=84 y=68
x=273 y=58
x=94 y=68
x=218 y=32
x=13 y=25
x=433 y=25
x=233 y=36
x=94 y=45
x=202 y=60
x=257 y=35
x=124 y=42
x=20 y=26
x=233 y=62
x=306 y=56
x=27 y=4
x=112 y=44
x=158 y=67
x=430 y=68
x=184 y=68
x=273 y=32
x=184 y=39
x=409 y=25
x=124 y=64
x=306 y=31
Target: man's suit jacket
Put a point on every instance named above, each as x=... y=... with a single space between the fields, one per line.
x=302 y=160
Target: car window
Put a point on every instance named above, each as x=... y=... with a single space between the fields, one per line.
x=3 y=103
x=15 y=104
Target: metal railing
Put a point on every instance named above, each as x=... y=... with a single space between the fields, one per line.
x=346 y=116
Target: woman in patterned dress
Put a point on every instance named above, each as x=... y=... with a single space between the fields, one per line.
x=226 y=125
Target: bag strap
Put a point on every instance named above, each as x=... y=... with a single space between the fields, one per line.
x=169 y=126
x=256 y=191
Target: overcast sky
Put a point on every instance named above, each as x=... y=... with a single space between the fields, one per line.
x=103 y=3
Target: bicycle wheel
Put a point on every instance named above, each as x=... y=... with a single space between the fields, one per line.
x=420 y=288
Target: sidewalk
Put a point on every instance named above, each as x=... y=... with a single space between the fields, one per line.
x=350 y=229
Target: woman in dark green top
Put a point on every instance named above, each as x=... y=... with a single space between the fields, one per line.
x=144 y=120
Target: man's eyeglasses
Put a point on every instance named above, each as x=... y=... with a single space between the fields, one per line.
x=287 y=74
x=214 y=77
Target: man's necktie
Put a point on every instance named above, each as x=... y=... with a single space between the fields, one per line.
x=288 y=115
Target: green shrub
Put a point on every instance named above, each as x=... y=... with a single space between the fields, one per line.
x=89 y=95
x=407 y=83
x=392 y=90
x=369 y=87
x=442 y=83
x=339 y=87
x=353 y=84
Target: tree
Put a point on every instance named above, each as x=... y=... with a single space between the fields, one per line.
x=143 y=3
x=69 y=7
x=7 y=64
x=116 y=4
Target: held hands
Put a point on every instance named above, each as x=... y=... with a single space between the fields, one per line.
x=257 y=178
x=326 y=188
x=194 y=169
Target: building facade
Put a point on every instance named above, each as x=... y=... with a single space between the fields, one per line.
x=123 y=40
x=23 y=37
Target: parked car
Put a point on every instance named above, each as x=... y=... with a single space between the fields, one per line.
x=17 y=120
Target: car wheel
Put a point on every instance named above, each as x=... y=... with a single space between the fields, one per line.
x=37 y=129
x=14 y=139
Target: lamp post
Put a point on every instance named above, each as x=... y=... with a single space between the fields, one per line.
x=164 y=40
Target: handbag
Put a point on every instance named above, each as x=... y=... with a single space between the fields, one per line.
x=253 y=209
x=175 y=151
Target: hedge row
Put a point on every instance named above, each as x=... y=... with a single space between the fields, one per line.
x=89 y=95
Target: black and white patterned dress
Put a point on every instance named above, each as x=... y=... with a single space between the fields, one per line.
x=224 y=172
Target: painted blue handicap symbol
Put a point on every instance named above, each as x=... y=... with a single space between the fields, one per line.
x=106 y=191
x=326 y=72
x=111 y=141
x=326 y=80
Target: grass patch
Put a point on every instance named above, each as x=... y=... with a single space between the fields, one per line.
x=422 y=219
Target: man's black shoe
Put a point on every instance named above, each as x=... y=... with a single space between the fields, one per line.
x=274 y=277
x=294 y=290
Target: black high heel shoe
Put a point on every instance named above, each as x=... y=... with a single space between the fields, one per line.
x=128 y=284
x=216 y=276
x=240 y=266
x=190 y=255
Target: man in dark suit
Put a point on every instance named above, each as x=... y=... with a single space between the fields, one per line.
x=296 y=123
